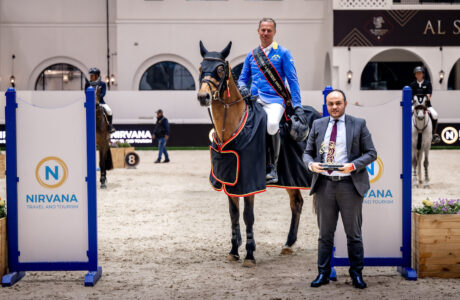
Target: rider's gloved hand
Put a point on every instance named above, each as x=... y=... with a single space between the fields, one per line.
x=245 y=93
x=298 y=111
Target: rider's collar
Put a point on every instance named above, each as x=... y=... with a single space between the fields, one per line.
x=420 y=82
x=273 y=45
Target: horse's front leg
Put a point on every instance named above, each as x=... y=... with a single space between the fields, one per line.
x=296 y=202
x=102 y=179
x=234 y=209
x=425 y=165
x=419 y=168
x=414 y=166
x=248 y=216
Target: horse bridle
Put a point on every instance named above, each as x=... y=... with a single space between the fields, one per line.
x=417 y=107
x=216 y=96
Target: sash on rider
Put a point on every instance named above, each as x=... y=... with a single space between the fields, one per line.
x=273 y=78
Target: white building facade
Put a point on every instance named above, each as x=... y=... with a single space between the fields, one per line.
x=140 y=34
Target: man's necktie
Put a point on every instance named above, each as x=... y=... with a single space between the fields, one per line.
x=331 y=148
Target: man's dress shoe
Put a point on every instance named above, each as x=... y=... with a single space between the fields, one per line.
x=320 y=280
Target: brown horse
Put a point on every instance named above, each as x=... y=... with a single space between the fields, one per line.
x=103 y=141
x=227 y=112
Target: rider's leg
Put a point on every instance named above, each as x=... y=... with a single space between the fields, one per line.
x=109 y=113
x=434 y=119
x=274 y=113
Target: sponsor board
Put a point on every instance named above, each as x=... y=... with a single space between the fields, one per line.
x=450 y=134
x=382 y=203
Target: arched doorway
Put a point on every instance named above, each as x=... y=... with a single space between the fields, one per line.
x=60 y=77
x=453 y=83
x=391 y=70
x=167 y=75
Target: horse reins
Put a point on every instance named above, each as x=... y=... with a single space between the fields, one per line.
x=420 y=130
x=216 y=96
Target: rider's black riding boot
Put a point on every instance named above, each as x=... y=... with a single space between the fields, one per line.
x=111 y=128
x=274 y=144
x=436 y=138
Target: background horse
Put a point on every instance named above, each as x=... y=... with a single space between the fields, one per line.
x=219 y=90
x=103 y=140
x=421 y=140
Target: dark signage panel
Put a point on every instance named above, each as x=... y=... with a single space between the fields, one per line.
x=367 y=28
x=197 y=135
x=140 y=135
x=181 y=135
x=449 y=133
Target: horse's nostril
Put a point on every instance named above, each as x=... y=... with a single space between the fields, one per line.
x=208 y=96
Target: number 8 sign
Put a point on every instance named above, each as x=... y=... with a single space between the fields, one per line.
x=132 y=159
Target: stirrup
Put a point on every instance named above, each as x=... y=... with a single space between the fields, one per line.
x=436 y=139
x=272 y=176
x=273 y=180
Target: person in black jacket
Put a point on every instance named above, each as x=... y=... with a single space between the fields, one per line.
x=161 y=133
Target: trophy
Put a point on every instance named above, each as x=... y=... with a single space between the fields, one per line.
x=330 y=164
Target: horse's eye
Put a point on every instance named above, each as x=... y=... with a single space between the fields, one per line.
x=220 y=71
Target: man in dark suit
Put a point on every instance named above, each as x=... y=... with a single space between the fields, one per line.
x=342 y=140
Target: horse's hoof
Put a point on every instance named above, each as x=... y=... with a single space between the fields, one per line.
x=233 y=257
x=426 y=186
x=249 y=263
x=287 y=251
x=103 y=186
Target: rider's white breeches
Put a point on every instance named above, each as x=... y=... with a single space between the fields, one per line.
x=434 y=114
x=274 y=113
x=107 y=109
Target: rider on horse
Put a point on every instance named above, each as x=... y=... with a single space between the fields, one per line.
x=100 y=88
x=272 y=102
x=421 y=86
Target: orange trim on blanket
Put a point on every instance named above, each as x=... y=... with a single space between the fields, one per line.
x=244 y=195
x=217 y=190
x=236 y=133
x=237 y=166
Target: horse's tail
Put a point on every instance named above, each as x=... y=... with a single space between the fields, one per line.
x=108 y=160
x=419 y=141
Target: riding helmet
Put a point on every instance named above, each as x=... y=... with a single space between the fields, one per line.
x=95 y=71
x=419 y=69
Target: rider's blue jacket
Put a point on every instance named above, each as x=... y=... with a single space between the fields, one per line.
x=103 y=89
x=283 y=62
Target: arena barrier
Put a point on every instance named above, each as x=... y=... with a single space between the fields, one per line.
x=51 y=186
x=387 y=205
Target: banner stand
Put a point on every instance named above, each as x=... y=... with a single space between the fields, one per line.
x=402 y=263
x=19 y=258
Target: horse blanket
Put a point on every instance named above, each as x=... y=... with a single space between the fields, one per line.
x=238 y=166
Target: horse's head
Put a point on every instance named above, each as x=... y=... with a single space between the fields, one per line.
x=420 y=111
x=214 y=74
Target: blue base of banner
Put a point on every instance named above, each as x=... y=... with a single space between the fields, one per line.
x=92 y=277
x=333 y=275
x=11 y=278
x=408 y=273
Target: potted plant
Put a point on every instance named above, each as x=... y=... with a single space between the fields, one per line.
x=3 y=240
x=437 y=238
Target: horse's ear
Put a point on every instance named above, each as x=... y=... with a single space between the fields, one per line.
x=226 y=51
x=203 y=50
